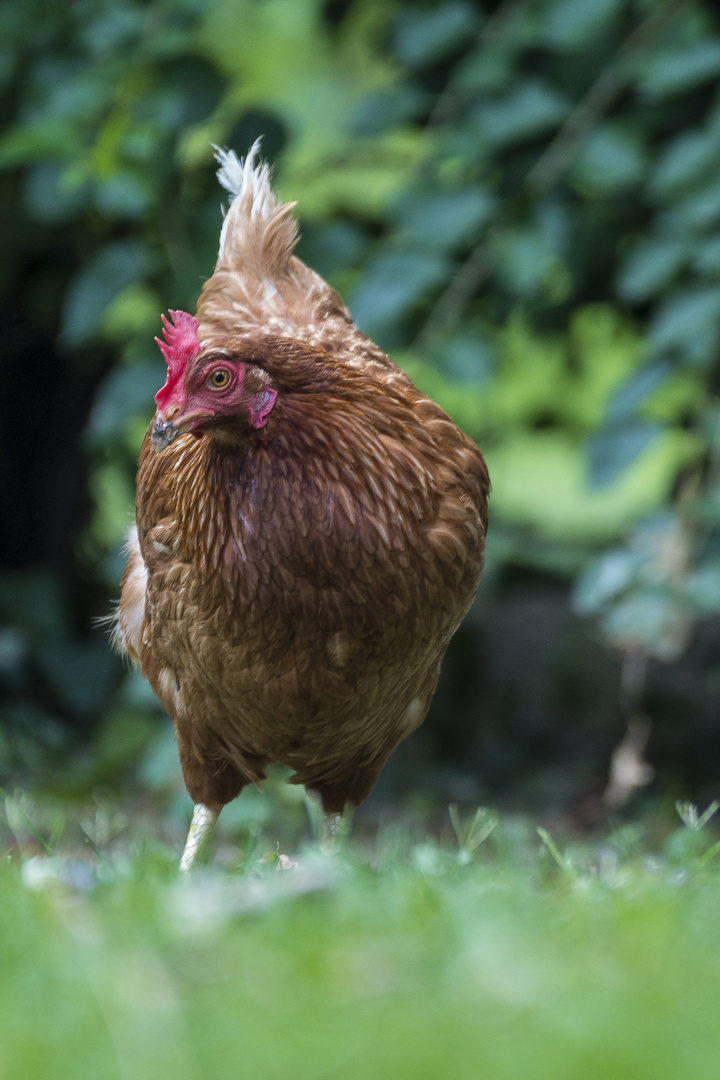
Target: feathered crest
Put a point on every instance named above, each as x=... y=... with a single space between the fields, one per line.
x=180 y=346
x=257 y=232
x=244 y=181
x=258 y=283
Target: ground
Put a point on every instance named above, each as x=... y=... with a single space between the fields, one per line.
x=508 y=955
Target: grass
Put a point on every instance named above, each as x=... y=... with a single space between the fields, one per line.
x=510 y=955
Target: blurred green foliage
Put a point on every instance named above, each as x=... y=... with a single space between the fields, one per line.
x=518 y=200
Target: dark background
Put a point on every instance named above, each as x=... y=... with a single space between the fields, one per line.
x=521 y=203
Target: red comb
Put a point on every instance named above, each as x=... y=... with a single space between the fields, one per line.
x=180 y=346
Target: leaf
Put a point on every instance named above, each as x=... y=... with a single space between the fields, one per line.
x=611 y=451
x=523 y=260
x=611 y=159
x=188 y=91
x=485 y=71
x=133 y=314
x=530 y=110
x=702 y=588
x=467 y=357
x=688 y=323
x=361 y=183
x=668 y=73
x=446 y=220
x=554 y=225
x=125 y=392
x=108 y=272
x=37 y=141
x=112 y=31
x=331 y=247
x=686 y=160
x=76 y=92
x=393 y=283
x=13 y=653
x=49 y=197
x=649 y=618
x=605 y=579
x=708 y=509
x=422 y=38
x=572 y=24
x=283 y=57
x=124 y=195
x=387 y=109
x=637 y=388
x=650 y=267
x=540 y=484
x=706 y=257
x=697 y=212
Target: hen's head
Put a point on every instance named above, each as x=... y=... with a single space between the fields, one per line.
x=207 y=390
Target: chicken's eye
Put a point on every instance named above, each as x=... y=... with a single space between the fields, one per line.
x=219 y=379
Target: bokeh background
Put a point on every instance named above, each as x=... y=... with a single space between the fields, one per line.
x=520 y=201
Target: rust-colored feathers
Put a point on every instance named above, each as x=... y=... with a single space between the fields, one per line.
x=293 y=585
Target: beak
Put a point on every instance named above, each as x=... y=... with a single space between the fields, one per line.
x=164 y=432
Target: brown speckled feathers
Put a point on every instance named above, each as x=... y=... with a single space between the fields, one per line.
x=293 y=586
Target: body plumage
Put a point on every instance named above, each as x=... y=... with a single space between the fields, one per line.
x=306 y=548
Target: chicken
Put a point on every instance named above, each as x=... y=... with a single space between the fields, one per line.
x=309 y=531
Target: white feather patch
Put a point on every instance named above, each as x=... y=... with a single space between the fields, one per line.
x=246 y=182
x=129 y=616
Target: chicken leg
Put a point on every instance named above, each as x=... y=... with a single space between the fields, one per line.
x=330 y=830
x=202 y=824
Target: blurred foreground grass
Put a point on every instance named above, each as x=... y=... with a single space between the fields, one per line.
x=507 y=955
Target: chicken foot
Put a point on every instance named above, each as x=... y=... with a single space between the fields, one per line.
x=202 y=824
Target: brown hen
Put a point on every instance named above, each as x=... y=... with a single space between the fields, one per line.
x=310 y=529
